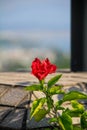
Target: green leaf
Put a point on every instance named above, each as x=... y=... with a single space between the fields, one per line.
x=53 y=120
x=65 y=122
x=77 y=109
x=60 y=108
x=49 y=102
x=76 y=128
x=73 y=95
x=34 y=88
x=36 y=106
x=40 y=114
x=55 y=90
x=73 y=113
x=52 y=81
x=58 y=104
x=84 y=120
x=77 y=106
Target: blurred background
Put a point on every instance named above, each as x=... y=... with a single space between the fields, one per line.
x=34 y=28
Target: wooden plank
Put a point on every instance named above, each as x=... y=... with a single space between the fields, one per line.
x=21 y=78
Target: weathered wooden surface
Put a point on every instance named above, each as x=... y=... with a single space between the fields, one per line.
x=14 y=78
x=15 y=102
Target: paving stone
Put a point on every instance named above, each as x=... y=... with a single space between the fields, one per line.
x=18 y=96
x=3 y=112
x=13 y=96
x=14 y=119
x=2 y=88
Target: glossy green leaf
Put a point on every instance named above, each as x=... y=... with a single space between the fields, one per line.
x=55 y=90
x=40 y=114
x=84 y=120
x=36 y=106
x=65 y=122
x=52 y=81
x=73 y=95
x=77 y=106
x=34 y=88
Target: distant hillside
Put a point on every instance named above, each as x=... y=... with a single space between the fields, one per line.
x=15 y=59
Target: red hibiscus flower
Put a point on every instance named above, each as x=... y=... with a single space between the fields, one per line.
x=41 y=69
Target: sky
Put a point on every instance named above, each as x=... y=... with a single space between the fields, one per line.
x=36 y=19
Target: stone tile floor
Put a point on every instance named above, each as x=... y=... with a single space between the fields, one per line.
x=15 y=102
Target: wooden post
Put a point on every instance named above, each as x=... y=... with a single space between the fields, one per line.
x=79 y=35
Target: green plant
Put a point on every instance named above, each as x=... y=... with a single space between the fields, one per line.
x=46 y=105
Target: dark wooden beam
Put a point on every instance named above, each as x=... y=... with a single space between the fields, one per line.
x=79 y=35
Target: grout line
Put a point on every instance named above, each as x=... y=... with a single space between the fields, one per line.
x=29 y=99
x=34 y=95
x=18 y=103
x=9 y=106
x=24 y=120
x=4 y=92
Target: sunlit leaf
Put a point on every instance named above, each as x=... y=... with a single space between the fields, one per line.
x=53 y=120
x=73 y=95
x=55 y=90
x=65 y=122
x=77 y=106
x=34 y=88
x=36 y=106
x=53 y=80
x=77 y=109
x=40 y=114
